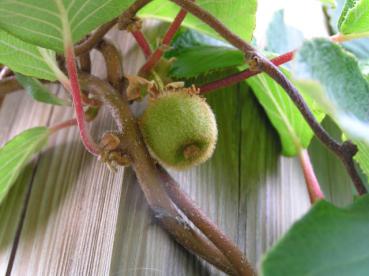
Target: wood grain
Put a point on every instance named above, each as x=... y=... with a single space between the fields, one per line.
x=82 y=219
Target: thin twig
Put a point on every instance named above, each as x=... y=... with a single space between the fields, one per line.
x=75 y=90
x=243 y=75
x=142 y=42
x=257 y=62
x=149 y=178
x=63 y=125
x=327 y=20
x=125 y=19
x=189 y=208
x=88 y=44
x=312 y=183
x=156 y=56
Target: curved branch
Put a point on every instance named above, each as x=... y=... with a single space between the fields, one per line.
x=91 y=41
x=113 y=62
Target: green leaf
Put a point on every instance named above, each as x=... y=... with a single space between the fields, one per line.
x=339 y=74
x=39 y=21
x=207 y=53
x=38 y=91
x=354 y=17
x=340 y=88
x=282 y=38
x=23 y=57
x=206 y=58
x=326 y=241
x=238 y=15
x=15 y=154
x=292 y=128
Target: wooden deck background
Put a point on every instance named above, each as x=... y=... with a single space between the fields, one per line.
x=69 y=215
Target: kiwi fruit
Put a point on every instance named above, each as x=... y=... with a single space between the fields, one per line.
x=179 y=129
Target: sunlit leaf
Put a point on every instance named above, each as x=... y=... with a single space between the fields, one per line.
x=237 y=15
x=40 y=21
x=23 y=57
x=354 y=17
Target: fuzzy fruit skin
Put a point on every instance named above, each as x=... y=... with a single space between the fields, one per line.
x=179 y=129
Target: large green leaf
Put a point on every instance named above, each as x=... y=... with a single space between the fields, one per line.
x=327 y=241
x=340 y=88
x=38 y=91
x=238 y=15
x=23 y=57
x=292 y=128
x=39 y=21
x=354 y=17
x=16 y=153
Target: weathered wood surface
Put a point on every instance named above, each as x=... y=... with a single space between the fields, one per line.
x=82 y=219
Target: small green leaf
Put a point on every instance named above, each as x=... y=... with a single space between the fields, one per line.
x=292 y=128
x=207 y=53
x=326 y=241
x=354 y=17
x=238 y=15
x=38 y=91
x=15 y=154
x=23 y=57
x=39 y=21
x=206 y=58
x=340 y=88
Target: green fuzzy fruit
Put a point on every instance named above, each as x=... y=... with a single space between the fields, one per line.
x=179 y=129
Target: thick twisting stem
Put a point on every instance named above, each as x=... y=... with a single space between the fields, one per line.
x=189 y=208
x=149 y=178
x=259 y=63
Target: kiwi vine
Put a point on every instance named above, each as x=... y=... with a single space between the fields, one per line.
x=138 y=141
